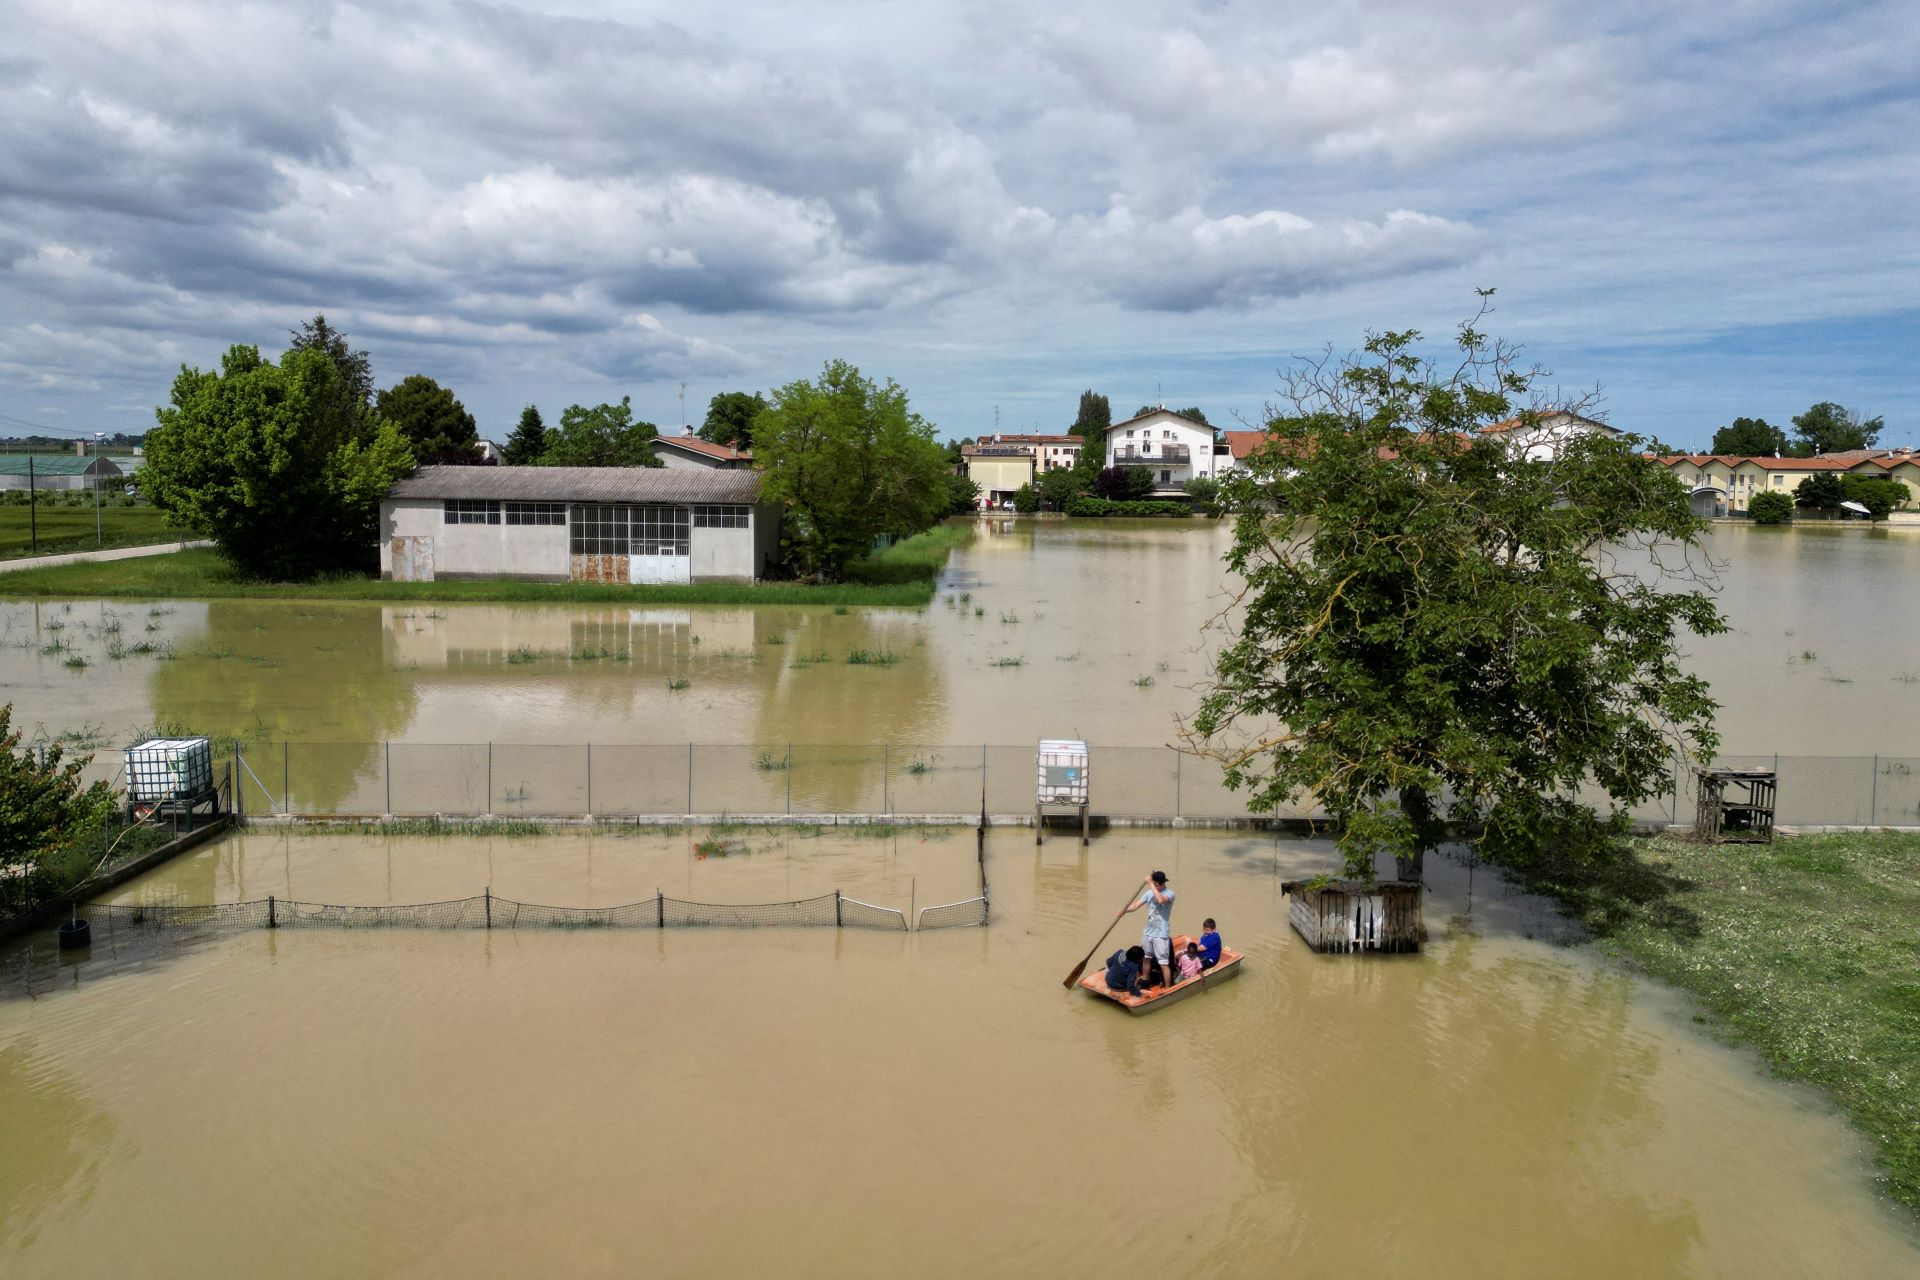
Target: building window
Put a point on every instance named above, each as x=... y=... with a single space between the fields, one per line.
x=471 y=511
x=597 y=530
x=718 y=517
x=601 y=530
x=1166 y=477
x=536 y=513
x=1779 y=479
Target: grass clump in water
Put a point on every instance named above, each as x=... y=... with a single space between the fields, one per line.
x=676 y=684
x=1008 y=662
x=1804 y=948
x=1144 y=682
x=872 y=658
x=770 y=763
x=521 y=655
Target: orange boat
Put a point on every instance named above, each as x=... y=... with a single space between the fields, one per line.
x=1095 y=983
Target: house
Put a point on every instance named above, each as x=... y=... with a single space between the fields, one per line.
x=1539 y=436
x=636 y=525
x=1721 y=484
x=1239 y=446
x=1050 y=453
x=690 y=452
x=999 y=469
x=58 y=471
x=1172 y=449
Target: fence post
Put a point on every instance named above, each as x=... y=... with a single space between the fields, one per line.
x=388 y=771
x=273 y=919
x=1873 y=804
x=239 y=787
x=489 y=804
x=689 y=779
x=286 y=778
x=488 y=894
x=836 y=910
x=589 y=779
x=789 y=779
x=886 y=765
x=659 y=909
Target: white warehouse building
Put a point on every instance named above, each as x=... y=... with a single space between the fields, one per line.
x=643 y=525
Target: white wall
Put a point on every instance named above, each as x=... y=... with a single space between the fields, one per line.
x=1160 y=429
x=678 y=460
x=722 y=555
x=529 y=551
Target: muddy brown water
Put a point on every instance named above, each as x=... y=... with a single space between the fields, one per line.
x=1042 y=628
x=837 y=1103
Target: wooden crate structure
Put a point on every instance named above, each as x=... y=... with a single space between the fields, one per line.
x=1346 y=916
x=1735 y=805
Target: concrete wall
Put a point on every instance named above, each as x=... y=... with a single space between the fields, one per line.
x=722 y=555
x=1000 y=475
x=677 y=460
x=532 y=552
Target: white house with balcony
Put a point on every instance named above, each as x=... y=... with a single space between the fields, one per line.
x=1540 y=436
x=1172 y=449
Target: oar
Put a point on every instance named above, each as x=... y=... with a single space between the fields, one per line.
x=1082 y=966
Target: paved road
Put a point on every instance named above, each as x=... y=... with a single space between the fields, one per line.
x=111 y=553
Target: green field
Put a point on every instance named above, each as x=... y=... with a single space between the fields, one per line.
x=1806 y=949
x=203 y=575
x=64 y=528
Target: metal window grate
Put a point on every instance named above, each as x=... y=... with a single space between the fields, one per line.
x=471 y=511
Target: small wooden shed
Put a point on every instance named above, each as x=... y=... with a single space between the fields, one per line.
x=1351 y=915
x=1736 y=805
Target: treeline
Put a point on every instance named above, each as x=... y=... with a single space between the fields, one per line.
x=1825 y=428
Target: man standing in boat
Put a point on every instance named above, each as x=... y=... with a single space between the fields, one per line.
x=1157 y=936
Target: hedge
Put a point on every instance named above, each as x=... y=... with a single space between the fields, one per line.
x=1109 y=507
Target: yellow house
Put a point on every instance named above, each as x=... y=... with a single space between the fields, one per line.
x=1723 y=485
x=999 y=469
x=1902 y=467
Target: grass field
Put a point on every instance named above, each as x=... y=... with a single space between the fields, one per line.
x=1807 y=949
x=64 y=528
x=203 y=575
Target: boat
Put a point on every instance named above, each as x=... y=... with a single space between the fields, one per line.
x=1095 y=983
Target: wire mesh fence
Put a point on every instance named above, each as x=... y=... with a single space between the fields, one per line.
x=575 y=780
x=970 y=914
x=489 y=911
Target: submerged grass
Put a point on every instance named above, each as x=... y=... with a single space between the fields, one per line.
x=202 y=575
x=1805 y=949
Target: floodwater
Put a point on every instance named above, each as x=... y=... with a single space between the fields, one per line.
x=1042 y=628
x=819 y=1102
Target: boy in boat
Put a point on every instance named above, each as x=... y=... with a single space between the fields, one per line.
x=1156 y=939
x=1209 y=945
x=1123 y=971
x=1190 y=965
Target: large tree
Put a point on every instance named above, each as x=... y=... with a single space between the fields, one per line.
x=528 y=441
x=436 y=426
x=730 y=418
x=602 y=436
x=1091 y=423
x=1436 y=635
x=349 y=408
x=1750 y=438
x=852 y=462
x=259 y=458
x=1831 y=428
x=1822 y=491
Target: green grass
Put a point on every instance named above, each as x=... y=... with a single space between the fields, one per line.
x=203 y=575
x=1806 y=949
x=872 y=657
x=64 y=528
x=916 y=559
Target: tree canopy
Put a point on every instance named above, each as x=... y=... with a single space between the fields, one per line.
x=1750 y=438
x=602 y=436
x=1091 y=423
x=1435 y=634
x=1822 y=491
x=350 y=403
x=1831 y=428
x=43 y=805
x=274 y=463
x=730 y=418
x=1192 y=415
x=528 y=441
x=436 y=427
x=852 y=462
x=1878 y=494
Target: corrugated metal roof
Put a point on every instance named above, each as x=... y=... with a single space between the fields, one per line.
x=581 y=484
x=51 y=464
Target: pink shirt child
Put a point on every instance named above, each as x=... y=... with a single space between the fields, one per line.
x=1189 y=966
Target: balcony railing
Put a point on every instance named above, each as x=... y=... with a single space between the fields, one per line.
x=1173 y=455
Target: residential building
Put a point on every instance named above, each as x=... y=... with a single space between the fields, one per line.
x=1239 y=445
x=999 y=469
x=1172 y=449
x=1050 y=453
x=691 y=452
x=1539 y=436
x=583 y=524
x=59 y=471
x=1722 y=484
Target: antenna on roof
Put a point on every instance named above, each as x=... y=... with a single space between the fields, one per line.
x=996 y=419
x=683 y=408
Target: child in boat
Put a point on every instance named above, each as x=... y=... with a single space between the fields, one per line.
x=1123 y=970
x=1190 y=964
x=1209 y=945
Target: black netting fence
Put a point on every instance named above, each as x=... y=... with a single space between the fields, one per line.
x=490 y=911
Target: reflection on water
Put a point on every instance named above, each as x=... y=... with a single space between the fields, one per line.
x=1041 y=628
x=723 y=1102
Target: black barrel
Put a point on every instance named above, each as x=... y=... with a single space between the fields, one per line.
x=74 y=933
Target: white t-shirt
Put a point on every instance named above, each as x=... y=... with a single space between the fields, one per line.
x=1159 y=915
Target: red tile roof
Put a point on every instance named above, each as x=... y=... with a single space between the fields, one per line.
x=694 y=444
x=1242 y=443
x=1543 y=419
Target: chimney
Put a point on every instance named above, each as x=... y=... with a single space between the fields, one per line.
x=80 y=447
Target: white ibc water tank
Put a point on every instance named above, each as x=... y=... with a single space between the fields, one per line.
x=1062 y=772
x=161 y=769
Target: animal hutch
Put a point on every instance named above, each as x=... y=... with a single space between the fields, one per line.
x=1736 y=805
x=1062 y=782
x=1350 y=915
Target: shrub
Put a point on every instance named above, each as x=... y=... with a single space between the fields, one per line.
x=1122 y=484
x=1095 y=507
x=1770 y=508
x=1025 y=500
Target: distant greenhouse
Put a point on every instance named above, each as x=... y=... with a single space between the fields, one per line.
x=59 y=471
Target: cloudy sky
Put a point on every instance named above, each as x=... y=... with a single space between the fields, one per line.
x=1703 y=210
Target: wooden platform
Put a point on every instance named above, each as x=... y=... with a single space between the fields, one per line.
x=1095 y=983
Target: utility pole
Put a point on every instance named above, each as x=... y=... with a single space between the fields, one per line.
x=33 y=511
x=99 y=440
x=683 y=408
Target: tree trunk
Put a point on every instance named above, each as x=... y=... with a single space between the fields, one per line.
x=1417 y=805
x=1411 y=868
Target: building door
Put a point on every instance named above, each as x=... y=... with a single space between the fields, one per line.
x=659 y=548
x=412 y=559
